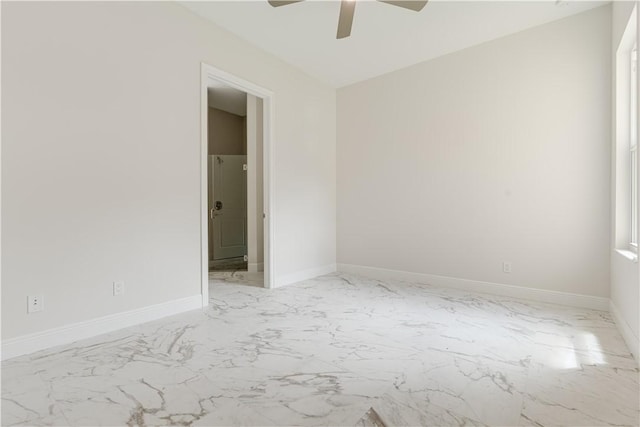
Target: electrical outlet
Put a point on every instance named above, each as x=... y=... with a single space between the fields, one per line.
x=118 y=288
x=506 y=267
x=35 y=303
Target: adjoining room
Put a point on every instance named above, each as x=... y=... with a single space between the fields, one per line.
x=235 y=184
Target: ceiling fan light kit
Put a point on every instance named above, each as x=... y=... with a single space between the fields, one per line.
x=348 y=7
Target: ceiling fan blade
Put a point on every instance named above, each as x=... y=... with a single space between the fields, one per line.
x=416 y=5
x=278 y=3
x=347 y=8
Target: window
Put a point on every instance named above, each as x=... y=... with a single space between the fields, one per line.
x=626 y=188
x=633 y=146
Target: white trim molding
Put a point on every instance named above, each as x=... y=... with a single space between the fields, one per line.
x=255 y=267
x=633 y=342
x=207 y=74
x=310 y=273
x=27 y=344
x=534 y=294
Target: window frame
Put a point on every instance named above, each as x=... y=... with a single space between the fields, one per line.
x=633 y=147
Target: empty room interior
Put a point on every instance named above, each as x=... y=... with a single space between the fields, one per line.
x=320 y=213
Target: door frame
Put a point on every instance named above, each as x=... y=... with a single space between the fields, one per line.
x=207 y=74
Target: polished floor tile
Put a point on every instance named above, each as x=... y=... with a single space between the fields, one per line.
x=326 y=351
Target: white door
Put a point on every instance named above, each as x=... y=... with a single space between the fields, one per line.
x=228 y=206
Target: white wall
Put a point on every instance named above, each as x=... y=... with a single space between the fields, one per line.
x=94 y=192
x=625 y=274
x=496 y=153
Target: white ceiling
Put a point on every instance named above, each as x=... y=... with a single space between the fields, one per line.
x=226 y=98
x=384 y=38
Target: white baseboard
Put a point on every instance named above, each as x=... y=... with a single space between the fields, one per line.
x=541 y=295
x=255 y=267
x=304 y=275
x=26 y=344
x=633 y=342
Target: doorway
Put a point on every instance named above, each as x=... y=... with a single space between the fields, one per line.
x=236 y=219
x=227 y=172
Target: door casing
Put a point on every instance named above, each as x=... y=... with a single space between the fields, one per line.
x=210 y=73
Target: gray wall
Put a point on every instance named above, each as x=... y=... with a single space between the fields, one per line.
x=227 y=133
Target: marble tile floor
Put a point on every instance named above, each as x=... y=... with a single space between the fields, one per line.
x=325 y=351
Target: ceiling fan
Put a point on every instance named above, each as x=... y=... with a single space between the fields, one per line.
x=348 y=7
